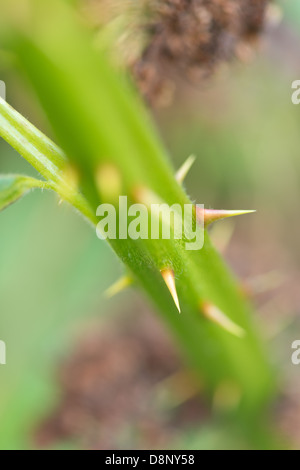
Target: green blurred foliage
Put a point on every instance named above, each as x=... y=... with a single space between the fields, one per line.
x=245 y=133
x=52 y=274
x=291 y=10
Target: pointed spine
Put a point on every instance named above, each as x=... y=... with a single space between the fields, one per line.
x=169 y=278
x=184 y=169
x=118 y=287
x=214 y=314
x=209 y=216
x=108 y=182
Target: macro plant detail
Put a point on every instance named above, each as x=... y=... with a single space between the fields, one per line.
x=194 y=37
x=107 y=146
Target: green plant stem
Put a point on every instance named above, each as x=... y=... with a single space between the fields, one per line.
x=191 y=331
x=98 y=119
x=46 y=157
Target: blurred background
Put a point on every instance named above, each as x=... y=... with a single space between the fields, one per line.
x=88 y=372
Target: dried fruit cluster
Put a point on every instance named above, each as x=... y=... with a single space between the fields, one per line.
x=192 y=36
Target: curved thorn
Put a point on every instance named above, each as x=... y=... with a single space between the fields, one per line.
x=169 y=278
x=144 y=195
x=227 y=396
x=221 y=235
x=214 y=314
x=181 y=174
x=263 y=283
x=108 y=182
x=213 y=215
x=71 y=176
x=118 y=287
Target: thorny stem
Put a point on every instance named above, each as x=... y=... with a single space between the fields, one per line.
x=101 y=123
x=46 y=157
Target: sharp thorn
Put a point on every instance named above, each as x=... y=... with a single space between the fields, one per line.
x=169 y=278
x=214 y=314
x=227 y=397
x=184 y=169
x=213 y=215
x=71 y=176
x=108 y=182
x=221 y=235
x=263 y=283
x=144 y=195
x=118 y=287
x=176 y=389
